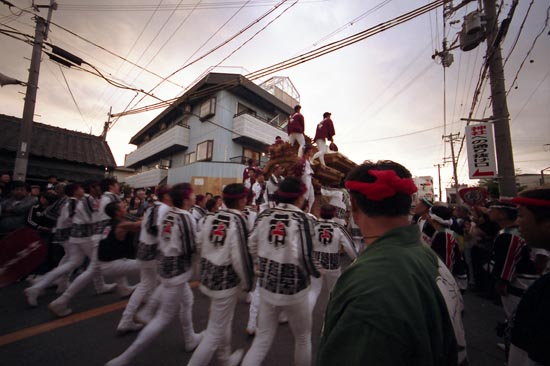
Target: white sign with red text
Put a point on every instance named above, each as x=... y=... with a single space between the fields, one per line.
x=480 y=143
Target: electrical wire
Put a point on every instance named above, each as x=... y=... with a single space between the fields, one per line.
x=530 y=50
x=531 y=96
x=398 y=136
x=519 y=32
x=214 y=5
x=255 y=34
x=72 y=95
x=351 y=22
x=228 y=40
x=294 y=61
x=128 y=54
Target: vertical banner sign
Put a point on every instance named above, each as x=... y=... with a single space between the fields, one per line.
x=480 y=142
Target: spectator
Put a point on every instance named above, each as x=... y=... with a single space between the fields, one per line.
x=35 y=190
x=16 y=208
x=530 y=336
x=251 y=166
x=5 y=180
x=52 y=182
x=397 y=304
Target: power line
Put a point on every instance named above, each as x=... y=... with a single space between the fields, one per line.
x=95 y=44
x=170 y=7
x=531 y=95
x=530 y=50
x=321 y=51
x=129 y=53
x=72 y=95
x=258 y=32
x=519 y=32
x=399 y=136
x=352 y=22
x=187 y=64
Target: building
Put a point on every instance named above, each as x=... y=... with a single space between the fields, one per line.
x=206 y=136
x=69 y=155
x=529 y=181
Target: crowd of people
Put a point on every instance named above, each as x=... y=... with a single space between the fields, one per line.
x=398 y=303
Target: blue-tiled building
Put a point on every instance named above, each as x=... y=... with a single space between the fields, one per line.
x=206 y=136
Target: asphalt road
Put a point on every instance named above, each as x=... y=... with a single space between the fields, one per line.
x=34 y=337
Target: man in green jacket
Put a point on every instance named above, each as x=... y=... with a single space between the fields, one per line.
x=396 y=304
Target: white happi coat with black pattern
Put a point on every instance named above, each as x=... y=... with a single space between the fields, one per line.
x=283 y=240
x=176 y=247
x=226 y=264
x=330 y=236
x=151 y=225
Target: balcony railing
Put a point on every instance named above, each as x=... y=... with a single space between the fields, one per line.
x=175 y=138
x=147 y=178
x=247 y=126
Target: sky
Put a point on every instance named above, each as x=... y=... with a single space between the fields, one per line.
x=385 y=93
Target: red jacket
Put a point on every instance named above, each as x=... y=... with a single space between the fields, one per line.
x=325 y=130
x=295 y=123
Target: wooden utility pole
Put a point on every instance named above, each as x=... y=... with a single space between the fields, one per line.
x=439 y=180
x=501 y=116
x=452 y=138
x=25 y=134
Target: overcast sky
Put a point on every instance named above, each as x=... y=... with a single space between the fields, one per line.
x=385 y=93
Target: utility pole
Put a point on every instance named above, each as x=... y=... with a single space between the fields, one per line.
x=25 y=135
x=452 y=138
x=439 y=179
x=503 y=139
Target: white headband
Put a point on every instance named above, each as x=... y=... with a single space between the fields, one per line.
x=440 y=220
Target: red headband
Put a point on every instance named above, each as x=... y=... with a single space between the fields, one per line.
x=387 y=184
x=525 y=201
x=237 y=195
x=303 y=189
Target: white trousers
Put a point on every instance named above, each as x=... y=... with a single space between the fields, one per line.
x=329 y=278
x=171 y=300
x=118 y=268
x=217 y=337
x=70 y=261
x=146 y=286
x=254 y=307
x=298 y=137
x=299 y=319
x=310 y=193
x=322 y=146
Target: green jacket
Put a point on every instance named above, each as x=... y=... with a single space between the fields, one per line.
x=387 y=309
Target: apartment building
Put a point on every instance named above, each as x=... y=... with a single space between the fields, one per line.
x=206 y=136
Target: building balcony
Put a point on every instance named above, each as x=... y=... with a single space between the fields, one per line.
x=251 y=130
x=172 y=140
x=149 y=178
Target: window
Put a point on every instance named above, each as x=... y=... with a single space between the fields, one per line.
x=165 y=163
x=204 y=150
x=208 y=108
x=242 y=109
x=250 y=154
x=189 y=158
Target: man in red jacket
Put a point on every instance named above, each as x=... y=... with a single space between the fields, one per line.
x=296 y=128
x=325 y=131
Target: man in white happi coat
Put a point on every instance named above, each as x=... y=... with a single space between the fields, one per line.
x=176 y=247
x=282 y=240
x=226 y=269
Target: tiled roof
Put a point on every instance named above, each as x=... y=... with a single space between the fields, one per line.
x=58 y=143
